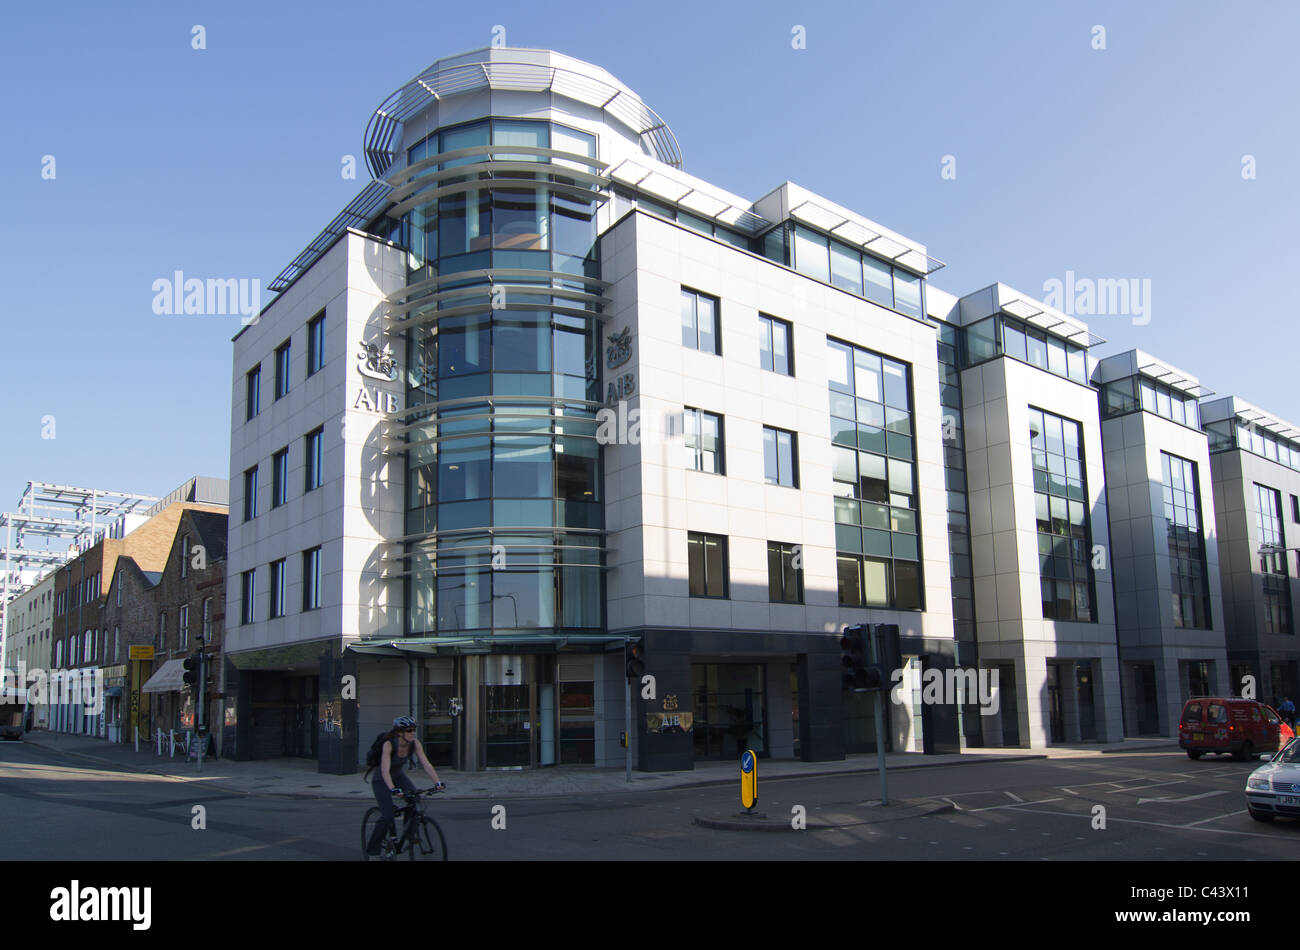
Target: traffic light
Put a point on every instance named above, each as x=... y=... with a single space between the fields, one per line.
x=854 y=657
x=632 y=659
x=888 y=652
x=193 y=669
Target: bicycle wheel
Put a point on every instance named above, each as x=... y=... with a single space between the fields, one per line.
x=428 y=844
x=373 y=816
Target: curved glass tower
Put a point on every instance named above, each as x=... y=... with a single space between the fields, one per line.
x=497 y=162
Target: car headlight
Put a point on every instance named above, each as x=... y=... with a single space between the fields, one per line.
x=1258 y=783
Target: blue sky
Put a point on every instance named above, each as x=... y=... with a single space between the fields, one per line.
x=225 y=162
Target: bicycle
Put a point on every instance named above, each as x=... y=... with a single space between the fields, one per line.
x=421 y=836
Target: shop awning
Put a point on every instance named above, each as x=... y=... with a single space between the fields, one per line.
x=168 y=679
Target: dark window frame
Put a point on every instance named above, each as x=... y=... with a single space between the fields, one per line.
x=702 y=538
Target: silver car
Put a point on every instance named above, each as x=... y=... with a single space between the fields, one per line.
x=1274 y=789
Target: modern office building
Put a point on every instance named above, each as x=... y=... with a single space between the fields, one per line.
x=1164 y=546
x=1035 y=487
x=1255 y=471
x=538 y=393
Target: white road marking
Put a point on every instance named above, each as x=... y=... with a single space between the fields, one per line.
x=1017 y=805
x=1231 y=814
x=1187 y=798
x=1014 y=797
x=1068 y=790
x=1136 y=788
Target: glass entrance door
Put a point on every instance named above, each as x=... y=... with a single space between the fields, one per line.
x=508 y=734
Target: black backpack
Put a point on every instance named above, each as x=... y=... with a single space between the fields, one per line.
x=376 y=753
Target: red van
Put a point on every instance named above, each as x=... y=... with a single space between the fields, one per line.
x=1243 y=727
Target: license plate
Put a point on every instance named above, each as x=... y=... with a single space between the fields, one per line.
x=1288 y=799
x=1198 y=737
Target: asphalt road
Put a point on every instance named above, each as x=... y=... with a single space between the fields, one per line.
x=1160 y=807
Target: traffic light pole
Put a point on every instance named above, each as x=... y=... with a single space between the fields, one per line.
x=201 y=696
x=880 y=746
x=627 y=716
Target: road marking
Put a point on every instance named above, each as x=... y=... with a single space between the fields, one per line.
x=1014 y=797
x=1068 y=790
x=1231 y=814
x=1136 y=788
x=1188 y=798
x=1017 y=805
x=1161 y=824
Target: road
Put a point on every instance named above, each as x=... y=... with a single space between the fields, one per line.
x=1157 y=806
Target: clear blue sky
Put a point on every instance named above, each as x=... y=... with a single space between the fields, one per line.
x=1116 y=163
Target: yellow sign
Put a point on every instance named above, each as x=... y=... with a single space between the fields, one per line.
x=669 y=721
x=749 y=779
x=141 y=652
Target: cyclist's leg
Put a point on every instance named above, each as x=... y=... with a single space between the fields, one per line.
x=385 y=823
x=407 y=786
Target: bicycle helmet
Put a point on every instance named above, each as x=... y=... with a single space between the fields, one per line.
x=403 y=722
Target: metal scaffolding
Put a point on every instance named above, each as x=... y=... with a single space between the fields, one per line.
x=54 y=523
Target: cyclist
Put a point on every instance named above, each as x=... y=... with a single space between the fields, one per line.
x=390 y=781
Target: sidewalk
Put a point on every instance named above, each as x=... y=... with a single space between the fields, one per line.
x=298 y=778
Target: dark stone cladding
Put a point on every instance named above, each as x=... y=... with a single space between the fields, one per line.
x=670 y=653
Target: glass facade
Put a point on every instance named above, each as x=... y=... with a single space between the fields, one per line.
x=1228 y=434
x=1061 y=507
x=1189 y=580
x=874 y=470
x=504 y=515
x=1001 y=335
x=1276 y=584
x=959 y=547
x=1122 y=396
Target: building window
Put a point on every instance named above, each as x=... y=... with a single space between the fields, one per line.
x=313 y=443
x=775 y=347
x=183 y=625
x=704 y=441
x=247 y=591
x=1061 y=506
x=780 y=457
x=311 y=579
x=316 y=343
x=1295 y=509
x=701 y=328
x=185 y=556
x=277 y=589
x=707 y=558
x=250 y=493
x=117 y=644
x=1277 y=588
x=873 y=466
x=280 y=477
x=207 y=619
x=162 y=630
x=784 y=573
x=1189 y=581
x=253 y=391
x=282 y=369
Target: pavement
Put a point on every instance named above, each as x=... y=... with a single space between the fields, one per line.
x=298 y=778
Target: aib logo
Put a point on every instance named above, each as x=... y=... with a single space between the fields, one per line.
x=619 y=350
x=376 y=363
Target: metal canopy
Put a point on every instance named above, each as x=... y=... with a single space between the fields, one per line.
x=704 y=204
x=355 y=214
x=461 y=645
x=1036 y=315
x=1175 y=380
x=875 y=243
x=1261 y=420
x=384 y=130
